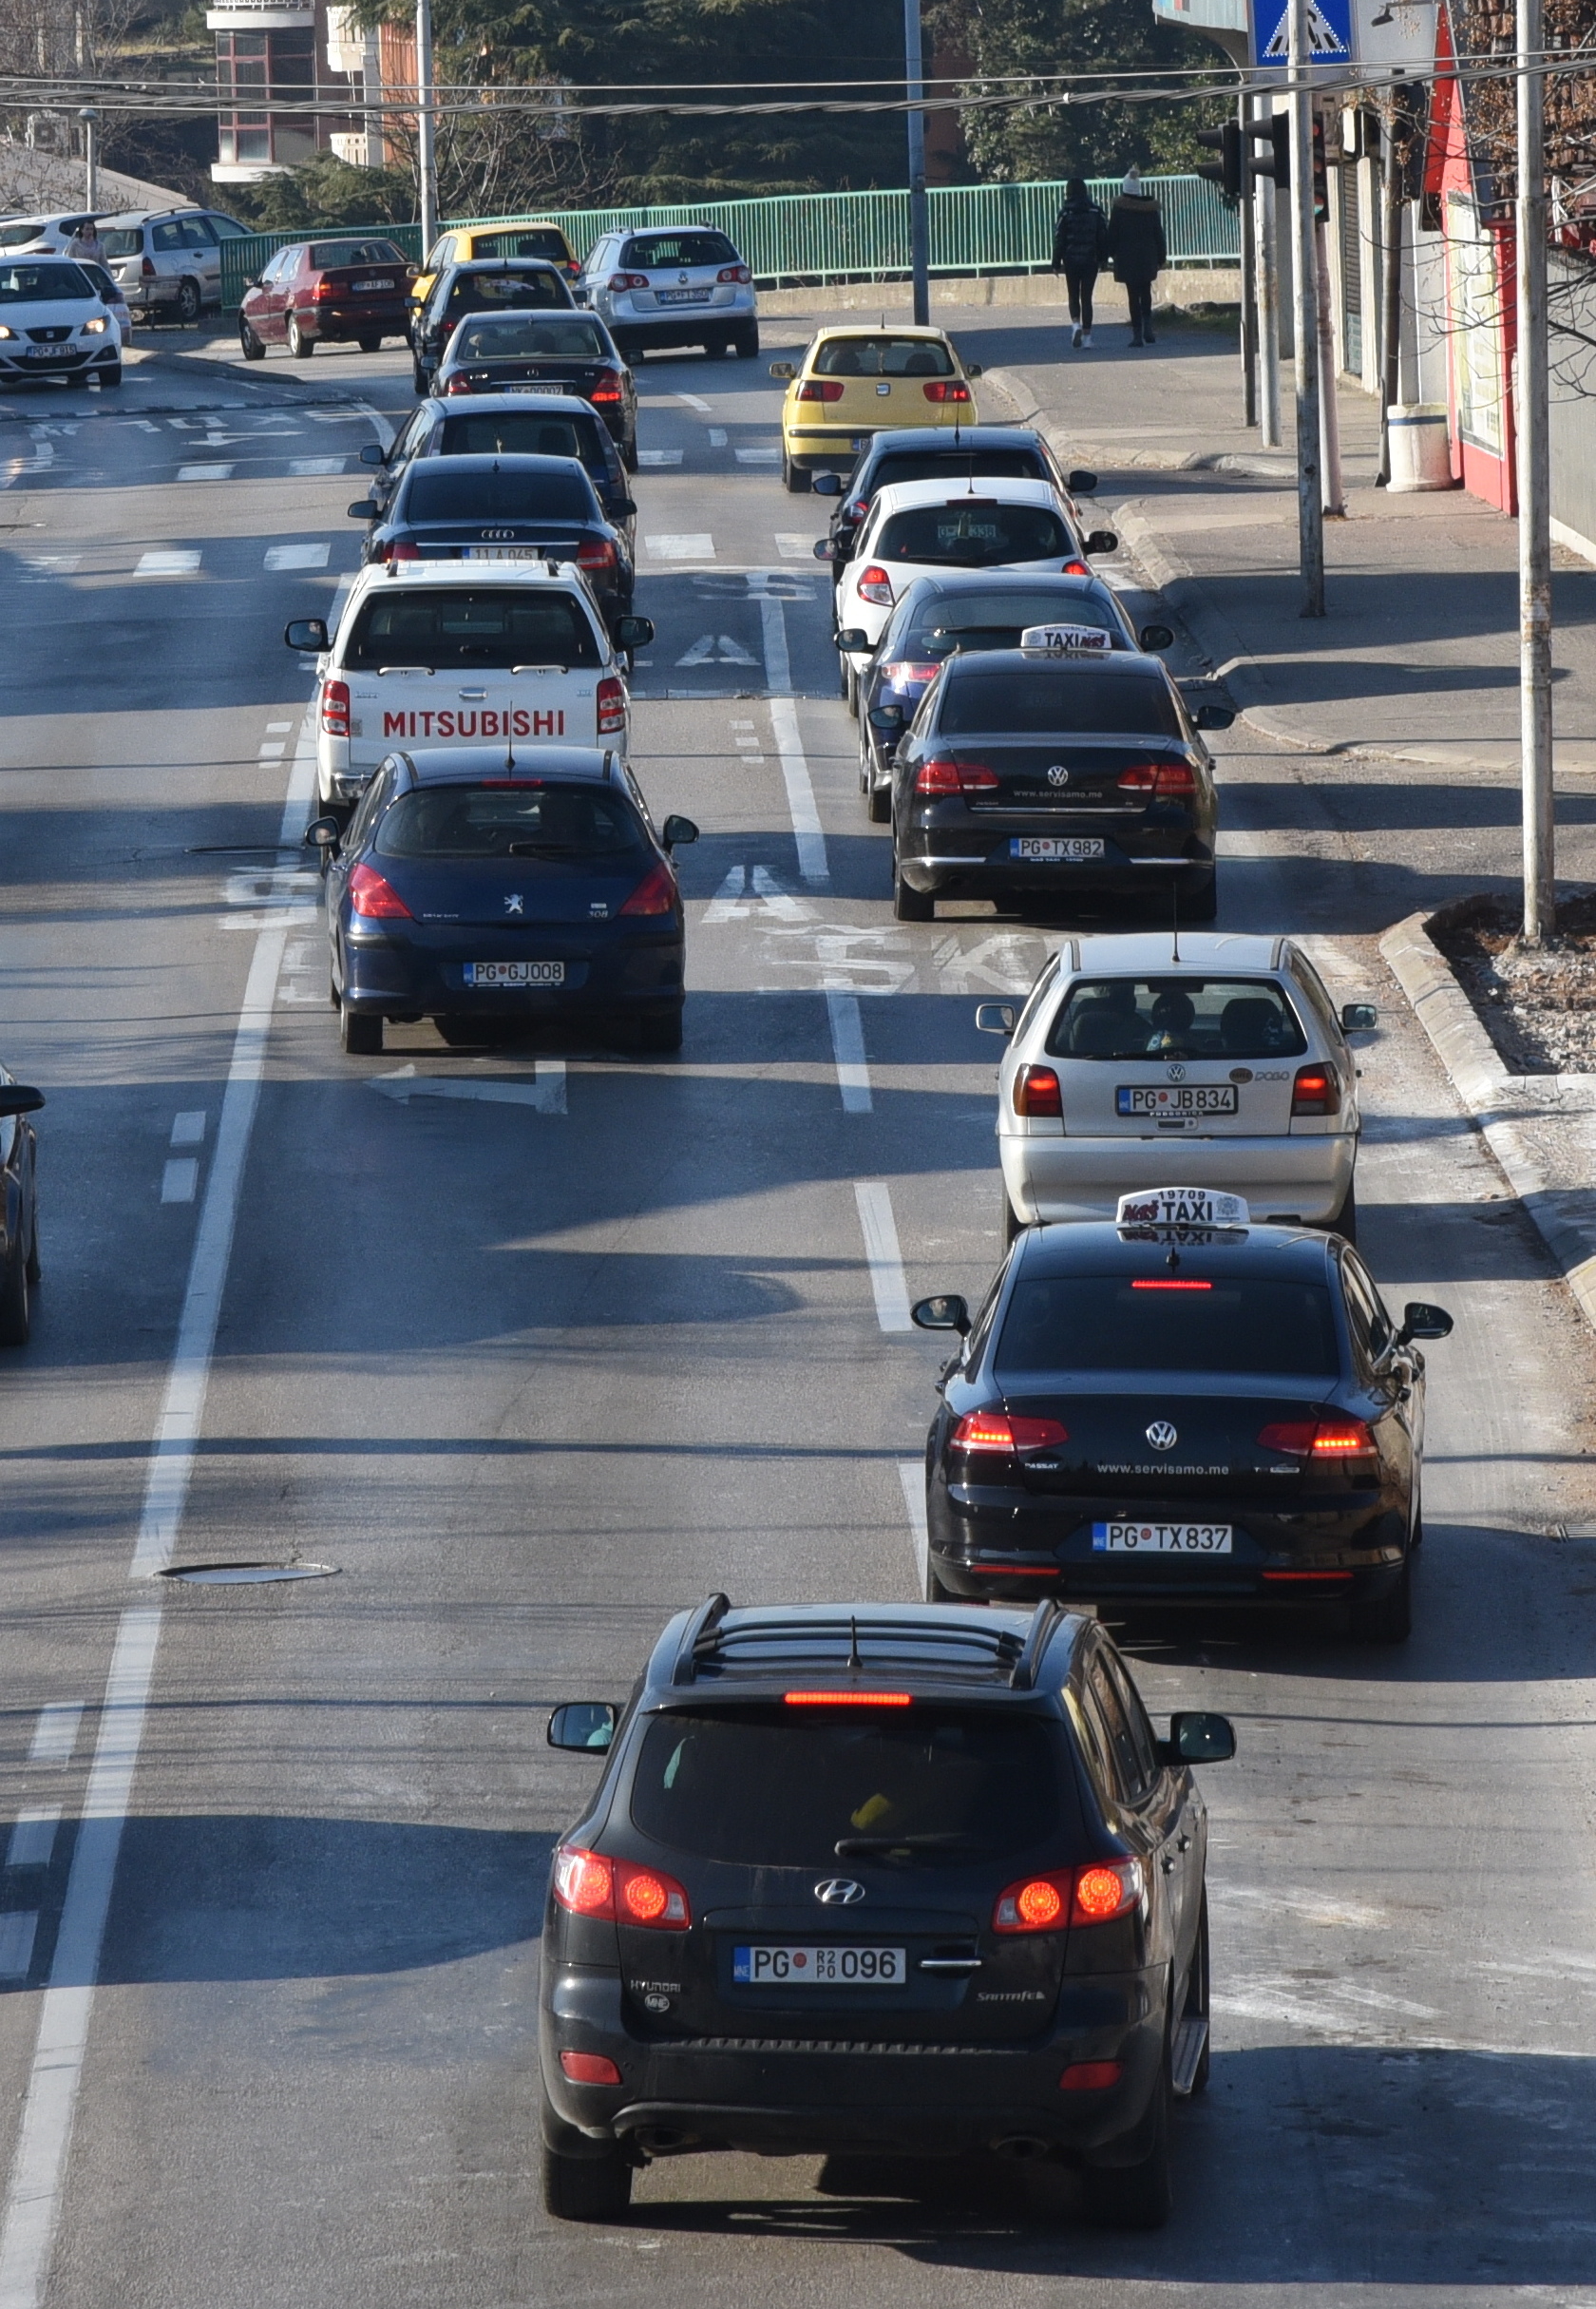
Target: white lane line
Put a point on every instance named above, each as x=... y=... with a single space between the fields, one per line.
x=545 y=1095
x=758 y=456
x=385 y=431
x=778 y=662
x=659 y=457
x=884 y=1259
x=718 y=436
x=794 y=547
x=205 y=472
x=682 y=545
x=16 y=1943
x=179 y=1180
x=812 y=863
x=278 y=729
x=912 y=1477
x=316 y=464
x=847 y=1041
x=274 y=749
x=167 y=560
x=33 y=2198
x=55 y=1735
x=311 y=556
x=188 y=1130
x=692 y=401
x=33 y=1836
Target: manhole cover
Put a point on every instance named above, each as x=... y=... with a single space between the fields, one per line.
x=246 y=1574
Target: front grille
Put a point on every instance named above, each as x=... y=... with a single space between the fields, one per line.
x=50 y=337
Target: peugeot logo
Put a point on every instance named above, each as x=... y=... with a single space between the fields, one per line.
x=1177 y=1073
x=498 y=533
x=1162 y=1436
x=681 y=280
x=1058 y=774
x=839 y=1892
x=515 y=903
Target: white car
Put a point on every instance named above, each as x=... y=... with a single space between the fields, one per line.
x=53 y=323
x=110 y=296
x=1228 y=1067
x=685 y=285
x=928 y=529
x=442 y=654
x=48 y=236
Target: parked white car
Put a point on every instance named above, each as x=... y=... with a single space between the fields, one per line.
x=41 y=236
x=1228 y=1067
x=53 y=322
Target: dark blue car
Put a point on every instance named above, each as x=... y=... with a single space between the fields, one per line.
x=493 y=892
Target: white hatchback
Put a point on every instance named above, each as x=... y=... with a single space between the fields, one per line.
x=1212 y=1059
x=54 y=324
x=440 y=654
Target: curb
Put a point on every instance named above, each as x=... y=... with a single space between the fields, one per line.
x=1492 y=1099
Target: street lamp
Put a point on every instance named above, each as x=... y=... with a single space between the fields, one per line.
x=919 y=237
x=90 y=119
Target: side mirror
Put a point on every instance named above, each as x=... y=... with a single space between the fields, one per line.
x=677 y=829
x=578 y=296
x=828 y=485
x=323 y=833
x=306 y=633
x=853 y=636
x=972 y=370
x=1358 y=1018
x=822 y=548
x=364 y=509
x=947 y=1311
x=373 y=453
x=587 y=1726
x=19 y=1098
x=1197 y=1737
x=1156 y=636
x=995 y=1018
x=633 y=633
x=1103 y=541
x=1213 y=717
x=625 y=507
x=887 y=717
x=1081 y=482
x=782 y=370
x=1421 y=1320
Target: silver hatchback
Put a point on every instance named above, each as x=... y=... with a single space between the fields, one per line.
x=686 y=285
x=1218 y=1060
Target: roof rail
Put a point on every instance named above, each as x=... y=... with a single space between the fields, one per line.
x=698 y=1636
x=1039 y=1635
x=772 y=1639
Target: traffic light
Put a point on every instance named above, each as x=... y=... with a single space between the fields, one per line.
x=1320 y=183
x=1226 y=171
x=1276 y=132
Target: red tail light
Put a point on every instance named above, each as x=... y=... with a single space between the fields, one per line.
x=947 y=389
x=1319 y=1438
x=1158 y=781
x=334 y=709
x=935 y=778
x=590 y=1885
x=583 y=1882
x=1093 y=1895
x=1090 y=2076
x=593 y=2069
x=1183 y=1284
x=612 y=705
x=876 y=585
x=820 y=389
x=1001 y=1431
x=324 y=292
x=1316 y=1090
x=1074 y=569
x=1037 y=1090
x=1105 y=1890
x=904 y=671
x=459 y=384
x=628 y=280
x=147 y=270
x=654 y=894
x=375 y=899
x=402 y=549
x=734 y=272
x=848 y=1699
x=598 y=553
x=607 y=390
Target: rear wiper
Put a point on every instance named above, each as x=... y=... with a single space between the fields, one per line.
x=859 y=1847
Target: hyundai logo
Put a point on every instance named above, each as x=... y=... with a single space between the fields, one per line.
x=1162 y=1436
x=839 y=1892
x=1058 y=774
x=515 y=903
x=498 y=533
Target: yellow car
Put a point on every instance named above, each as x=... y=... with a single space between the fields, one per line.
x=855 y=382
x=464 y=241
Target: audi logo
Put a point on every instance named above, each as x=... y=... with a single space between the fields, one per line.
x=839 y=1892
x=499 y=533
x=1058 y=774
x=1162 y=1436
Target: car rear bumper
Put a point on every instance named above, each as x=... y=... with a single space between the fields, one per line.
x=687 y=325
x=346 y=324
x=1071 y=1178
x=387 y=976
x=979 y=869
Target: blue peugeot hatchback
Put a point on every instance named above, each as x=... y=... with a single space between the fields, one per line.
x=487 y=889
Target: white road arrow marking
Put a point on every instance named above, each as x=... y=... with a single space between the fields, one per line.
x=546 y=1096
x=723 y=651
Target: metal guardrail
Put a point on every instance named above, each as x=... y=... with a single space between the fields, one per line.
x=792 y=239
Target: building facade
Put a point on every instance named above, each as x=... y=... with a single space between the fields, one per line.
x=274 y=73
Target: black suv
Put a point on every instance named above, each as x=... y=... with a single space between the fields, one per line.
x=877 y=1879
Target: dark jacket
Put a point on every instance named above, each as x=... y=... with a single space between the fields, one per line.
x=1135 y=238
x=1081 y=238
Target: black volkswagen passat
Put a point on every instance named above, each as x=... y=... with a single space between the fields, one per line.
x=1232 y=1418
x=493 y=351
x=1028 y=775
x=487 y=889
x=495 y=509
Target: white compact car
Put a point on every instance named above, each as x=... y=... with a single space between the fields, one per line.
x=441 y=654
x=53 y=323
x=1208 y=1058
x=685 y=285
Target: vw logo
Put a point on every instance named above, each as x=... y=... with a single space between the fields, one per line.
x=1162 y=1436
x=839 y=1892
x=1177 y=1073
x=515 y=903
x=1058 y=774
x=498 y=533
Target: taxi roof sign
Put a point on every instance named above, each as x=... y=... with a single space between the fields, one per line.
x=1067 y=641
x=1182 y=1207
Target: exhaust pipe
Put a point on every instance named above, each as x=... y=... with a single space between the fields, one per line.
x=1022 y=2148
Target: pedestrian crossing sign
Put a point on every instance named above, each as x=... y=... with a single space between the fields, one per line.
x=1329 y=31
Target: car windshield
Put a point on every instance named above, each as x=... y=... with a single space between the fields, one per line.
x=437 y=490
x=955 y=464
x=1047 y=701
x=509 y=821
x=460 y=626
x=537 y=241
x=884 y=356
x=577 y=339
x=523 y=433
x=996 y=620
x=676 y=252
x=327 y=256
x=1176 y=1017
x=1193 y=1322
x=37 y=285
x=971 y=533
x=477 y=292
x=127 y=240
x=785 y=1789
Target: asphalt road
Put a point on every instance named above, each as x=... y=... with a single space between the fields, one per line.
x=532 y=1350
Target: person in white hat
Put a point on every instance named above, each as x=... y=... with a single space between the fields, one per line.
x=1136 y=251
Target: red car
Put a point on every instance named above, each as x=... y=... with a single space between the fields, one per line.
x=353 y=289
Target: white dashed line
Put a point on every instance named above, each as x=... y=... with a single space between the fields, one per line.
x=683 y=545
x=33 y=1836
x=55 y=1735
x=188 y=1129
x=205 y=472
x=168 y=561
x=759 y=456
x=912 y=1477
x=273 y=752
x=792 y=547
x=692 y=401
x=848 y=1042
x=316 y=464
x=179 y=1180
x=656 y=457
x=311 y=556
x=882 y=1254
x=718 y=436
x=16 y=1943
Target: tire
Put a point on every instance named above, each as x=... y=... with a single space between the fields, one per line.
x=878 y=807
x=746 y=343
x=370 y=344
x=1388 y=1618
x=629 y=454
x=109 y=379
x=33 y=1268
x=420 y=379
x=794 y=479
x=1346 y=1220
x=1138 y=2196
x=1199 y=900
x=907 y=904
x=299 y=344
x=249 y=344
x=850 y=688
x=359 y=1034
x=189 y=302
x=15 y=1308
x=586 y=2188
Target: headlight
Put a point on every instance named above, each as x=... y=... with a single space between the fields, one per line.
x=96 y=326
x=5 y=331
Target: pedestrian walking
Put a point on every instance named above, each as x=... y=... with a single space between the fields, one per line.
x=1136 y=251
x=86 y=242
x=1079 y=239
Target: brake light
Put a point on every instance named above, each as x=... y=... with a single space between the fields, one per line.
x=1319 y=1438
x=459 y=384
x=334 y=709
x=1158 y=781
x=648 y=1896
x=1002 y=1431
x=935 y=778
x=734 y=272
x=1105 y=1890
x=1093 y=1895
x=373 y=898
x=590 y=1885
x=848 y=1699
x=947 y=389
x=820 y=389
x=147 y=270
x=1036 y=1903
x=628 y=280
x=875 y=585
x=1161 y=1285
x=1074 y=569
x=1037 y=1090
x=612 y=705
x=1090 y=2076
x=607 y=389
x=1316 y=1090
x=323 y=293
x=654 y=894
x=402 y=549
x=904 y=671
x=598 y=553
x=589 y=2069
x=583 y=1882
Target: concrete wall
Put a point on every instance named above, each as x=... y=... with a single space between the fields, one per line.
x=1193 y=286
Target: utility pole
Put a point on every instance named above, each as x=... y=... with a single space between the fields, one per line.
x=1391 y=251
x=919 y=223
x=1534 y=487
x=1329 y=414
x=1264 y=233
x=426 y=157
x=90 y=119
x=1250 y=270
x=1310 y=510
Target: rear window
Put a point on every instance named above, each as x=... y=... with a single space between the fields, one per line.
x=1176 y=1017
x=996 y=465
x=1106 y=1323
x=996 y=620
x=18 y=236
x=463 y=627
x=326 y=255
x=437 y=491
x=969 y=534
x=33 y=283
x=538 y=240
x=577 y=339
x=553 y=822
x=127 y=241
x=884 y=356
x=1035 y=701
x=524 y=433
x=481 y=291
x=659 y=251
x=787 y=1789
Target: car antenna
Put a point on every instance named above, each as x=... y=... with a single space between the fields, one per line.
x=854 y=1660
x=509 y=751
x=1174 y=942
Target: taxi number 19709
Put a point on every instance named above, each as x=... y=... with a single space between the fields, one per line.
x=809 y=1967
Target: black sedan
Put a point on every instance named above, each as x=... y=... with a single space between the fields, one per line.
x=504 y=284
x=492 y=892
x=507 y=425
x=1155 y=1414
x=935 y=452
x=498 y=509
x=980 y=610
x=493 y=352
x=19 y=1247
x=1030 y=775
